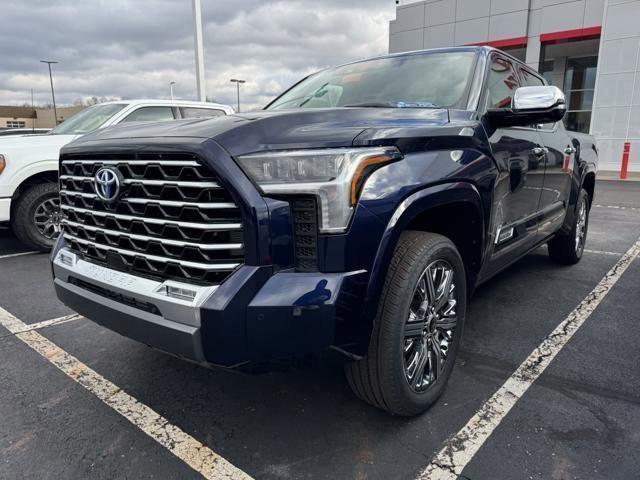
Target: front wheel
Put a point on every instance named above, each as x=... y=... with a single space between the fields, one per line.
x=416 y=334
x=36 y=216
x=568 y=249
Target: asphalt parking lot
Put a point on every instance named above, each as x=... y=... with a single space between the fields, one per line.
x=580 y=419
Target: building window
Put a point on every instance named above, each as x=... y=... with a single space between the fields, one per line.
x=546 y=69
x=579 y=85
x=15 y=124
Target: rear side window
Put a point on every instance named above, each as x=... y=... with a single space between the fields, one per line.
x=193 y=112
x=150 y=114
x=502 y=83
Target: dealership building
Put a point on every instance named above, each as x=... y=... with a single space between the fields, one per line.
x=29 y=117
x=588 y=48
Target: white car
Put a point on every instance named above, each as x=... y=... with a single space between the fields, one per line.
x=29 y=164
x=5 y=132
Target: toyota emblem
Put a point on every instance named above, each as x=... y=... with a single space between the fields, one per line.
x=107 y=184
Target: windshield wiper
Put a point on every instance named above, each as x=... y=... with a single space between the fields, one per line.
x=393 y=105
x=373 y=105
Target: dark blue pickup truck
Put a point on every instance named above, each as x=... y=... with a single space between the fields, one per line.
x=357 y=213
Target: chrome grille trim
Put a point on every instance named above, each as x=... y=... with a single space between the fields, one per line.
x=144 y=238
x=168 y=203
x=77 y=194
x=129 y=181
x=173 y=221
x=157 y=221
x=171 y=203
x=131 y=253
x=172 y=163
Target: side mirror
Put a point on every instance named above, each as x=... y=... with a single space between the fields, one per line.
x=531 y=105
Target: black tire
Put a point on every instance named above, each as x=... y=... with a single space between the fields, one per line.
x=23 y=218
x=567 y=249
x=381 y=378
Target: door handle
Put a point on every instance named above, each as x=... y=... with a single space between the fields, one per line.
x=569 y=150
x=540 y=151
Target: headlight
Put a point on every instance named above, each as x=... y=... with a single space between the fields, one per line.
x=3 y=163
x=334 y=175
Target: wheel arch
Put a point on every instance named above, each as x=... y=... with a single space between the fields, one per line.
x=589 y=184
x=437 y=209
x=584 y=175
x=44 y=176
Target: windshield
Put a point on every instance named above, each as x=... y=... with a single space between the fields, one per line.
x=88 y=119
x=421 y=81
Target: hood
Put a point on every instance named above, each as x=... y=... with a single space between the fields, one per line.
x=34 y=142
x=279 y=129
x=36 y=147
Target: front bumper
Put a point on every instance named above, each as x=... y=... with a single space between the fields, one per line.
x=254 y=316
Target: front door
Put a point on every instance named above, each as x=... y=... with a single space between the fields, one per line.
x=519 y=154
x=558 y=167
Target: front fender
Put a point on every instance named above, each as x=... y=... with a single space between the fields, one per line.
x=414 y=205
x=17 y=174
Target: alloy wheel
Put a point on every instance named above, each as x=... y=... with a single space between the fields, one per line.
x=431 y=325
x=581 y=227
x=47 y=218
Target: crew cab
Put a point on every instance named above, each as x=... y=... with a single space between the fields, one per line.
x=356 y=213
x=29 y=163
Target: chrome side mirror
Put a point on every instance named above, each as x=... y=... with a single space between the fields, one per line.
x=538 y=98
x=530 y=106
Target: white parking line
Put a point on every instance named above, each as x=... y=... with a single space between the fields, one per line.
x=459 y=449
x=11 y=255
x=47 y=323
x=182 y=445
x=618 y=207
x=602 y=252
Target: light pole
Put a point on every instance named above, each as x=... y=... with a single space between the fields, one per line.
x=197 y=20
x=171 y=84
x=53 y=95
x=238 y=82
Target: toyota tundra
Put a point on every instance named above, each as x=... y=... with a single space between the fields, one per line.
x=356 y=213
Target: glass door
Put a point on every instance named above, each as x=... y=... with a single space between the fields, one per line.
x=579 y=85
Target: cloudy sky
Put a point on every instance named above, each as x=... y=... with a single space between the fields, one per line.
x=134 y=48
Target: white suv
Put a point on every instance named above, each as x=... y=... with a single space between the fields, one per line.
x=29 y=164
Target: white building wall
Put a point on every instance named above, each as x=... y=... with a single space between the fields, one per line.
x=616 y=112
x=436 y=23
x=431 y=23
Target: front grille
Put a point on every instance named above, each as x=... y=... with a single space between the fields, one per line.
x=305 y=233
x=173 y=219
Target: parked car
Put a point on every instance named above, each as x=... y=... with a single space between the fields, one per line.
x=357 y=213
x=29 y=164
x=5 y=132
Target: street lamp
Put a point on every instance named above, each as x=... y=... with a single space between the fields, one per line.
x=53 y=95
x=238 y=82
x=171 y=84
